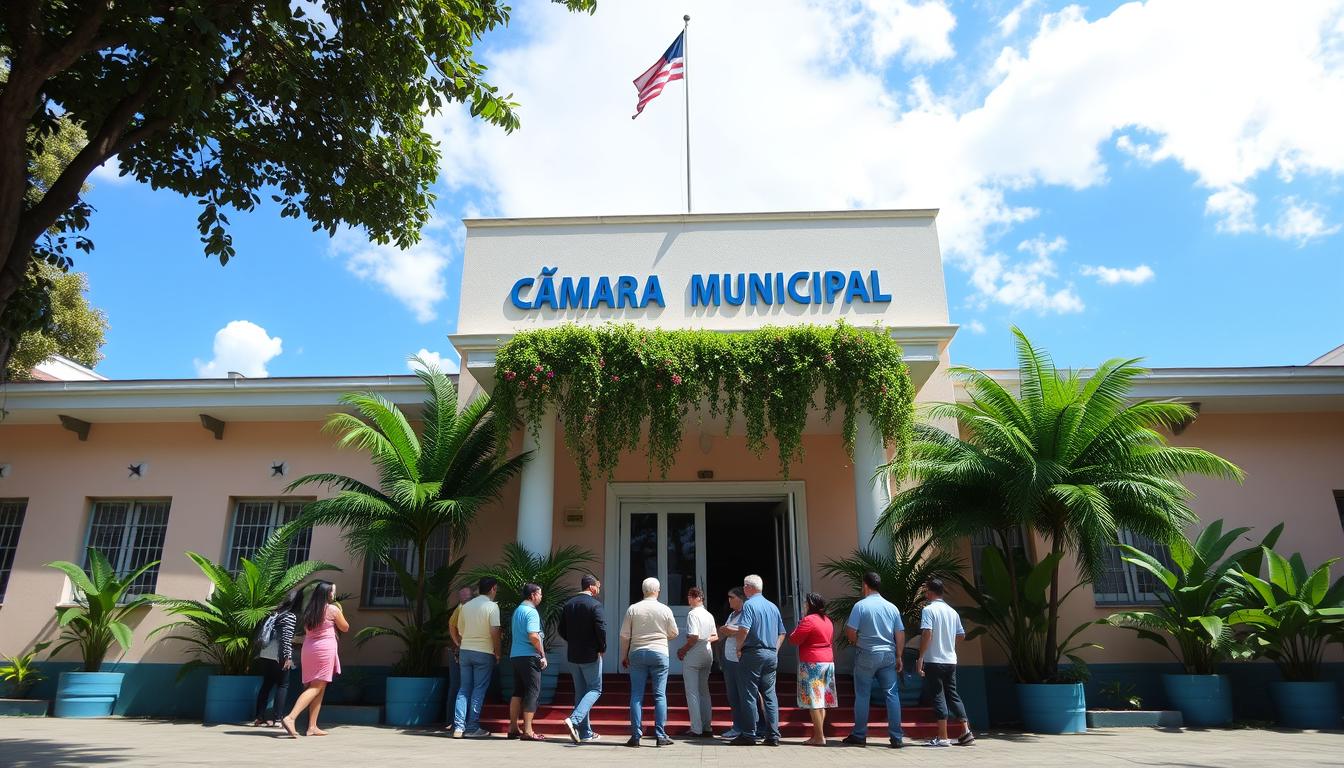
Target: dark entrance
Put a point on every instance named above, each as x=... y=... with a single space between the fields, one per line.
x=745 y=537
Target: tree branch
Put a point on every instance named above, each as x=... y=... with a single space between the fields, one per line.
x=77 y=43
x=24 y=20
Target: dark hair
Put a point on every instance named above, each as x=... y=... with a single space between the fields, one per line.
x=587 y=581
x=316 y=611
x=935 y=586
x=292 y=602
x=872 y=580
x=815 y=603
x=486 y=584
x=738 y=593
x=530 y=589
x=696 y=592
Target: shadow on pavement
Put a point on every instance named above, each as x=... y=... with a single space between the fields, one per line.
x=42 y=753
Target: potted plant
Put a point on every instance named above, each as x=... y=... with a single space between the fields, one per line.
x=1072 y=458
x=103 y=603
x=431 y=484
x=1290 y=618
x=1194 y=604
x=19 y=675
x=904 y=573
x=222 y=628
x=555 y=574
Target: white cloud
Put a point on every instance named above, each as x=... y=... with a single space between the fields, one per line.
x=788 y=114
x=243 y=347
x=1010 y=21
x=433 y=358
x=109 y=173
x=413 y=276
x=976 y=327
x=1301 y=223
x=1121 y=275
x=918 y=31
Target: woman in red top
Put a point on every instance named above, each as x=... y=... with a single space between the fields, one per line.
x=816 y=666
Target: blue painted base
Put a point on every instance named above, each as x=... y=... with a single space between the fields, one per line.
x=1053 y=708
x=87 y=694
x=415 y=701
x=1205 y=701
x=24 y=707
x=230 y=699
x=1167 y=718
x=1307 y=705
x=345 y=714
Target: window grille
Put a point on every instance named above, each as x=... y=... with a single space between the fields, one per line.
x=11 y=522
x=1125 y=584
x=985 y=539
x=383 y=589
x=130 y=534
x=254 y=520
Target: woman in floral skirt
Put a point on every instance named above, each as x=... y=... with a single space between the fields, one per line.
x=816 y=666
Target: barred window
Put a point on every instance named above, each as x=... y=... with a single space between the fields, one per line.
x=1124 y=584
x=254 y=520
x=11 y=522
x=383 y=589
x=985 y=539
x=130 y=534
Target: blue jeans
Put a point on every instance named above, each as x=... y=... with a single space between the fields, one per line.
x=454 y=679
x=588 y=688
x=732 y=677
x=882 y=666
x=476 y=668
x=646 y=663
x=758 y=671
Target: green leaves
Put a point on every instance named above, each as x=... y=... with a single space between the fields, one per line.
x=102 y=605
x=1292 y=616
x=904 y=572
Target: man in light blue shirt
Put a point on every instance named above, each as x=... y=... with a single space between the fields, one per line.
x=875 y=628
x=941 y=627
x=527 y=654
x=761 y=629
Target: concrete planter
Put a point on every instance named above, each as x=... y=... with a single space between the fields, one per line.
x=87 y=694
x=230 y=698
x=1133 y=718
x=1307 y=705
x=24 y=707
x=1053 y=708
x=1205 y=701
x=414 y=701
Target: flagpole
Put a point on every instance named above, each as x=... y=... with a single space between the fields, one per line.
x=686 y=83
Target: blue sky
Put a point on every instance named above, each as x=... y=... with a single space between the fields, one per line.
x=1156 y=179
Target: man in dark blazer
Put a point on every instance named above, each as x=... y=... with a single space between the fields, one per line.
x=585 y=631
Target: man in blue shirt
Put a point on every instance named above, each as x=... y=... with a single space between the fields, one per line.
x=875 y=628
x=527 y=654
x=761 y=630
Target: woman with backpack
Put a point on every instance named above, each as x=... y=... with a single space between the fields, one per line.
x=322 y=619
x=275 y=657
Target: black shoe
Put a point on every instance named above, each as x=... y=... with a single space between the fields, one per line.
x=515 y=734
x=770 y=742
x=896 y=744
x=664 y=742
x=633 y=742
x=855 y=741
x=743 y=741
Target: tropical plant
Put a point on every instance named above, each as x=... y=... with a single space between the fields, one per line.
x=21 y=673
x=904 y=573
x=1072 y=457
x=1011 y=610
x=424 y=640
x=1292 y=615
x=1122 y=693
x=1195 y=596
x=554 y=573
x=222 y=628
x=102 y=604
x=431 y=484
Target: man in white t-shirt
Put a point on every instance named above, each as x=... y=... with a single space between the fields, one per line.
x=940 y=627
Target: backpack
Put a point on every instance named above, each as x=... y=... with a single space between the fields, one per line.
x=266 y=633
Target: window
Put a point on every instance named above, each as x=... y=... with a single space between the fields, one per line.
x=255 y=520
x=383 y=588
x=11 y=521
x=987 y=538
x=1339 y=504
x=130 y=534
x=1122 y=583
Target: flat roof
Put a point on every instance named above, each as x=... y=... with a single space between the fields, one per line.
x=699 y=218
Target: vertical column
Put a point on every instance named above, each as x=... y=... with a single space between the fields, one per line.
x=536 y=497
x=870 y=492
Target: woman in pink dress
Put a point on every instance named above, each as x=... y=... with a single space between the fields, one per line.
x=320 y=663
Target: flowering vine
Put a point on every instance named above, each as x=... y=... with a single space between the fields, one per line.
x=618 y=388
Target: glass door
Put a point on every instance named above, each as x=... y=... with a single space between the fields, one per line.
x=665 y=540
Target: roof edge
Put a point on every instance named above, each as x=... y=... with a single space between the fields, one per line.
x=694 y=218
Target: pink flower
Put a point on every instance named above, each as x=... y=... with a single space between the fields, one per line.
x=509 y=375
x=538 y=368
x=657 y=386
x=676 y=380
x=532 y=378
x=601 y=362
x=550 y=374
x=615 y=378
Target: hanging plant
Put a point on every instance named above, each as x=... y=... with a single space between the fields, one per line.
x=618 y=388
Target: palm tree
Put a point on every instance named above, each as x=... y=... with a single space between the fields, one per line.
x=554 y=573
x=432 y=482
x=1073 y=458
x=904 y=573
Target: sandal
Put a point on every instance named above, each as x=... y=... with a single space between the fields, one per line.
x=532 y=737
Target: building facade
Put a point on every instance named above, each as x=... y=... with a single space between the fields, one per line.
x=151 y=469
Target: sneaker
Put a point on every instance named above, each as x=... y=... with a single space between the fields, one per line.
x=591 y=739
x=633 y=742
x=664 y=742
x=898 y=743
x=966 y=739
x=730 y=734
x=938 y=743
x=459 y=734
x=479 y=733
x=770 y=742
x=573 y=732
x=743 y=740
x=855 y=741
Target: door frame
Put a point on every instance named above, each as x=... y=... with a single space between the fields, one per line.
x=697 y=491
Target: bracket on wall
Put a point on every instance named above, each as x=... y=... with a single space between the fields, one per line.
x=78 y=426
x=1177 y=429
x=213 y=425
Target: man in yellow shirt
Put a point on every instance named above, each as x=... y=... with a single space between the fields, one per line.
x=475 y=631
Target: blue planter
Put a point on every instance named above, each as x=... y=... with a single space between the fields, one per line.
x=231 y=698
x=1204 y=700
x=1307 y=705
x=87 y=694
x=1048 y=708
x=415 y=700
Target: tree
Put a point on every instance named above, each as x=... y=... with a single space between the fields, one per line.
x=72 y=327
x=319 y=105
x=434 y=481
x=1073 y=458
x=904 y=571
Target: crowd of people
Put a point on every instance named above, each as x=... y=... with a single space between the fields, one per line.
x=751 y=636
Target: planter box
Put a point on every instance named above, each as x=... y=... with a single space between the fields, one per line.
x=414 y=701
x=87 y=694
x=1204 y=700
x=344 y=714
x=1129 y=718
x=24 y=707
x=1307 y=705
x=230 y=698
x=1053 y=708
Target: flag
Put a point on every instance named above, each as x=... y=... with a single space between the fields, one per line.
x=671 y=66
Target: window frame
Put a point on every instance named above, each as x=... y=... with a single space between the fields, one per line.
x=9 y=550
x=303 y=541
x=991 y=540
x=371 y=597
x=1134 y=594
x=126 y=545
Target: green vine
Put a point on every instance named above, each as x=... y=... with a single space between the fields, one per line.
x=618 y=388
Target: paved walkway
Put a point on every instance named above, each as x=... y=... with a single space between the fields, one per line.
x=34 y=743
